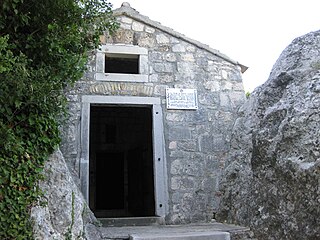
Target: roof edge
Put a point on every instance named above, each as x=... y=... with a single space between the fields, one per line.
x=128 y=11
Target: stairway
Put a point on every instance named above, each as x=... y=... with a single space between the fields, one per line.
x=200 y=231
x=182 y=236
x=133 y=221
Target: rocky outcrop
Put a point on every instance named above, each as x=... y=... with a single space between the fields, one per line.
x=63 y=212
x=272 y=178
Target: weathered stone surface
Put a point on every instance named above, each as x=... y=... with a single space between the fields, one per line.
x=144 y=39
x=138 y=27
x=123 y=36
x=272 y=177
x=116 y=88
x=65 y=212
x=178 y=48
x=162 y=39
x=164 y=67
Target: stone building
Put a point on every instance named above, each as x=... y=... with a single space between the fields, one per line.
x=150 y=123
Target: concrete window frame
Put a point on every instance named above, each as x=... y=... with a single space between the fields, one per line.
x=126 y=50
x=159 y=156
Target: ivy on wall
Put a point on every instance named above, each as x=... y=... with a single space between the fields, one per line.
x=43 y=48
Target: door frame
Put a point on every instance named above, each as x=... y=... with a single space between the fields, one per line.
x=159 y=159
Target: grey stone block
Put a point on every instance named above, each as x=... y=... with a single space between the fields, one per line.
x=216 y=143
x=179 y=133
x=164 y=67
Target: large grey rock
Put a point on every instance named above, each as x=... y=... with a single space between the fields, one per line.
x=272 y=177
x=65 y=214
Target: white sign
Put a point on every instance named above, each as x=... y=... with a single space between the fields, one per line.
x=178 y=98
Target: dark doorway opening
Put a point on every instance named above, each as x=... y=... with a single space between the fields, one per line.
x=122 y=63
x=121 y=182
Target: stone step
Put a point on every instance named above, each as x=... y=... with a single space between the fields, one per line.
x=182 y=236
x=131 y=221
x=201 y=231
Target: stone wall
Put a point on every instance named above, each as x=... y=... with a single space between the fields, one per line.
x=271 y=181
x=196 y=141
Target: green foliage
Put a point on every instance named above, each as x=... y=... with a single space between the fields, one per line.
x=43 y=48
x=248 y=94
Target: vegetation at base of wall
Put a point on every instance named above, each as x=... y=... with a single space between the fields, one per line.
x=43 y=49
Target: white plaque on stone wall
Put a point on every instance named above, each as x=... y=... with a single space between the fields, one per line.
x=178 y=98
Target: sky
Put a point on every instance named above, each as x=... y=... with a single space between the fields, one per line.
x=252 y=32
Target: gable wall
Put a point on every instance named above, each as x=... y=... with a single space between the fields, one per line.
x=196 y=141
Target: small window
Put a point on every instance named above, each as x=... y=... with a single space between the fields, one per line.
x=122 y=63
